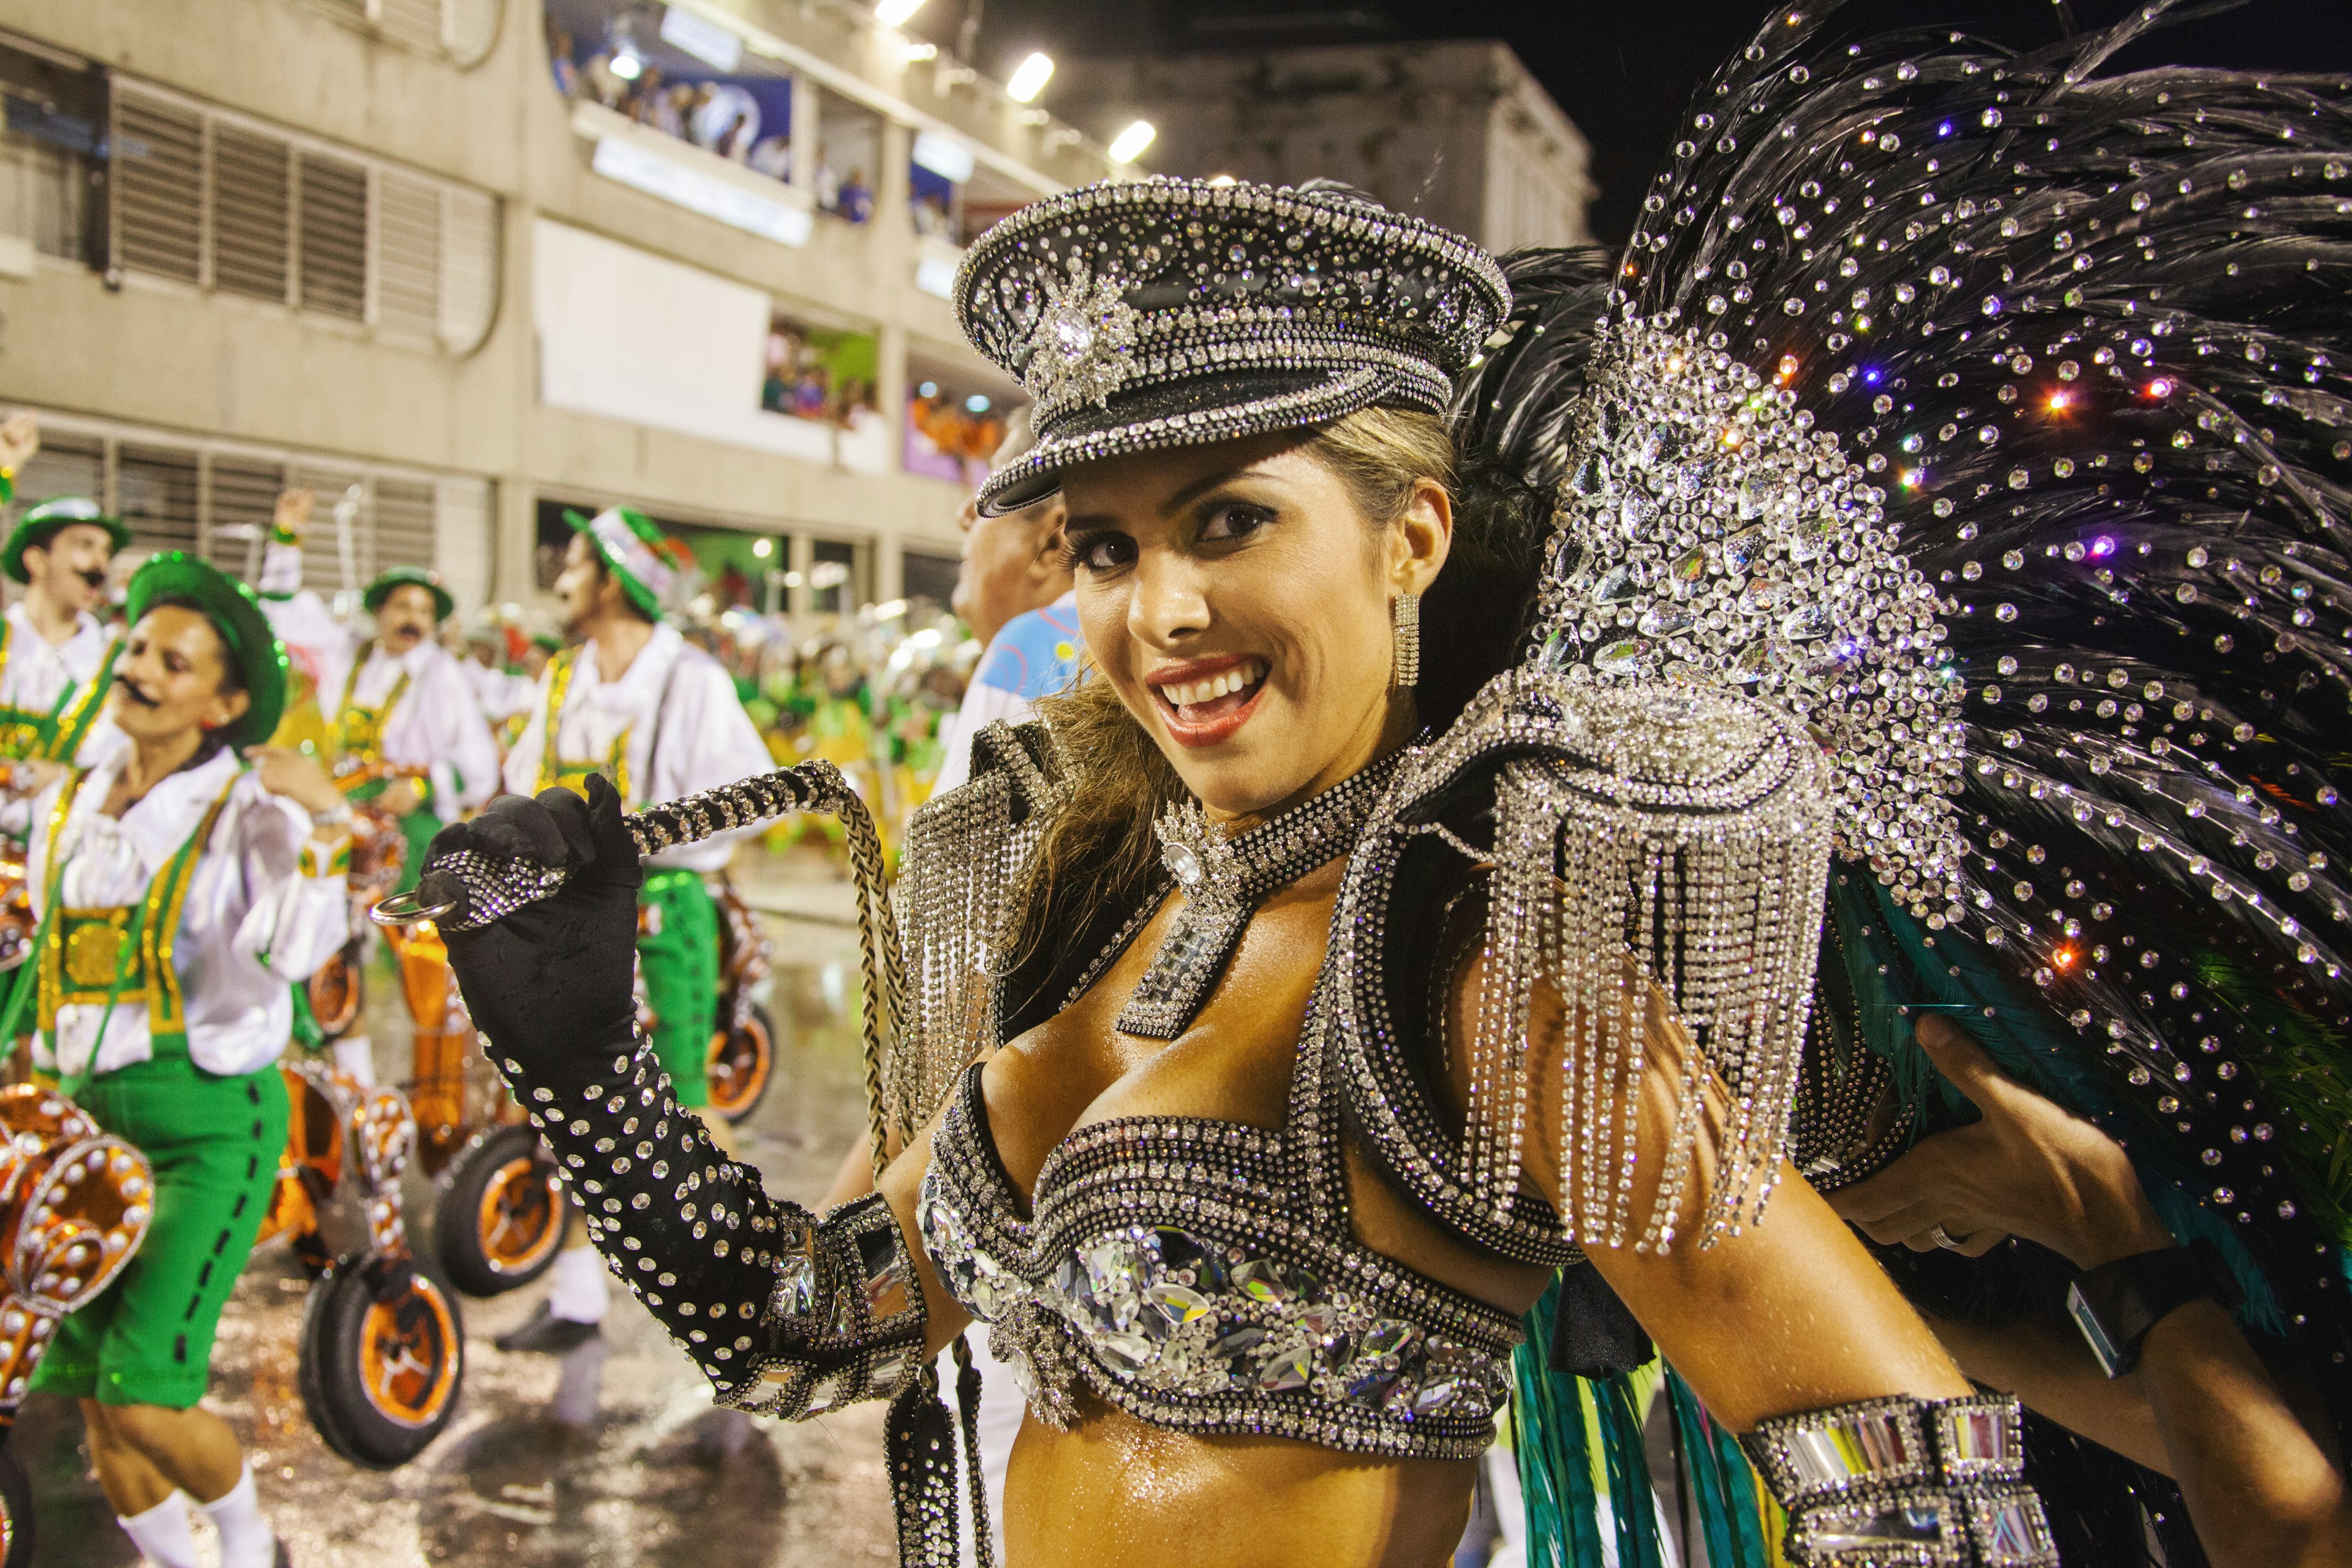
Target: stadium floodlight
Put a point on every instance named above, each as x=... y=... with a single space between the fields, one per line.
x=1029 y=78
x=1129 y=143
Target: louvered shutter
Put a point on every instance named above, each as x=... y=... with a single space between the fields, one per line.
x=252 y=175
x=240 y=503
x=333 y=237
x=472 y=28
x=469 y=268
x=462 y=538
x=158 y=184
x=404 y=524
x=408 y=256
x=412 y=23
x=323 y=568
x=156 y=493
x=65 y=465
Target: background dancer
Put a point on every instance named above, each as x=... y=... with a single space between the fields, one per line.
x=54 y=653
x=405 y=729
x=636 y=703
x=168 y=1030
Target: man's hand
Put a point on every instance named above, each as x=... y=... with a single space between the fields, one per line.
x=299 y=778
x=2029 y=1168
x=20 y=438
x=292 y=517
x=28 y=777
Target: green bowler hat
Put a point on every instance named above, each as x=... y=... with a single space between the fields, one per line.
x=402 y=576
x=41 y=523
x=654 y=570
x=237 y=615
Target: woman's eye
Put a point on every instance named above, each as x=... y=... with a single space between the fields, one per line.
x=1101 y=553
x=1235 y=521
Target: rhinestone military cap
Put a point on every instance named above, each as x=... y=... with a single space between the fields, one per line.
x=1162 y=313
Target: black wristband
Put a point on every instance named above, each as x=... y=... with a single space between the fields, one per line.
x=2116 y=1304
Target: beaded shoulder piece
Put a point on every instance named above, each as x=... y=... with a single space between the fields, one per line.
x=964 y=854
x=1641 y=843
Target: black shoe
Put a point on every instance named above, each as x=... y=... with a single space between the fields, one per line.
x=547 y=1334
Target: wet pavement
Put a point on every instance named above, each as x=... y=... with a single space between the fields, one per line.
x=659 y=1478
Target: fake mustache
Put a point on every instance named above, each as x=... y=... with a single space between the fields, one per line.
x=94 y=576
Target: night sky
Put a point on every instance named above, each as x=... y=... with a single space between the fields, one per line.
x=1623 y=69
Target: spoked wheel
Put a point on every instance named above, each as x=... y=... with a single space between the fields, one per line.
x=500 y=1217
x=742 y=1060
x=335 y=992
x=15 y=1513
x=384 y=1352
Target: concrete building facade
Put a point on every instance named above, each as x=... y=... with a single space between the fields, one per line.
x=1458 y=131
x=396 y=251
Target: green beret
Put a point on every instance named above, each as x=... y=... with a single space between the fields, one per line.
x=401 y=576
x=41 y=523
x=237 y=615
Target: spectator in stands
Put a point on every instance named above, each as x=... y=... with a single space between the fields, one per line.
x=559 y=59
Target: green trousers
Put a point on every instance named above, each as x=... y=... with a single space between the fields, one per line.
x=680 y=960
x=214 y=1143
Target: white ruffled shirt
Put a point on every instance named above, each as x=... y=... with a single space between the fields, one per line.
x=253 y=925
x=673 y=689
x=38 y=669
x=435 y=728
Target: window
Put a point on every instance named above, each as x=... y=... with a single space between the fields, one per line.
x=836 y=584
x=848 y=157
x=55 y=110
x=923 y=575
x=955 y=419
x=216 y=501
x=203 y=197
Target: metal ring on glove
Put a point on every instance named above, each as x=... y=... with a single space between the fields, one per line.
x=408 y=910
x=1939 y=1236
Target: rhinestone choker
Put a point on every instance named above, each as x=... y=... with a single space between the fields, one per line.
x=1223 y=880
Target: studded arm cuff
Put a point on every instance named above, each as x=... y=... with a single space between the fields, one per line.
x=1931 y=1482
x=785 y=1312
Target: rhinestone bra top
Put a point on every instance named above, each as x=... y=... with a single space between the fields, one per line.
x=1200 y=1275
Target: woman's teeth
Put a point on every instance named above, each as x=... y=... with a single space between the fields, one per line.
x=1191 y=693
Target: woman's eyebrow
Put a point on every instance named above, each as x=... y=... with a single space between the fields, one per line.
x=1173 y=504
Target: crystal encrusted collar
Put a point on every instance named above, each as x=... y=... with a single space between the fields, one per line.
x=1224 y=878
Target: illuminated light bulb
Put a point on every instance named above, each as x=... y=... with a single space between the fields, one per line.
x=2059 y=400
x=625 y=65
x=1029 y=77
x=894 y=12
x=1128 y=145
x=2161 y=387
x=763 y=548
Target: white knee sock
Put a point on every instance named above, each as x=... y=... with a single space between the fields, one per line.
x=247 y=1541
x=162 y=1535
x=355 y=1054
x=580 y=1294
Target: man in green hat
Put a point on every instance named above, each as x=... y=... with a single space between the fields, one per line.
x=634 y=700
x=167 y=1031
x=405 y=729
x=54 y=654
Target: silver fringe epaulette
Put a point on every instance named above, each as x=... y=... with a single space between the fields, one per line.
x=964 y=855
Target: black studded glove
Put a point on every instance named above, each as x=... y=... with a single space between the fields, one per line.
x=552 y=979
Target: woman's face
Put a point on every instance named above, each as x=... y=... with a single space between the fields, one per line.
x=1239 y=603
x=170 y=677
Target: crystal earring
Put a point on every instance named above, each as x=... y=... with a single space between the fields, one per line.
x=1405 y=625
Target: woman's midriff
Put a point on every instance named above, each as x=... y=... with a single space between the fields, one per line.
x=1113 y=1492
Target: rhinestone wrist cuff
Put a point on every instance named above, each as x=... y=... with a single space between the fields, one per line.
x=1905 y=1481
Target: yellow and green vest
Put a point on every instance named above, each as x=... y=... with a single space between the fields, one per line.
x=57 y=735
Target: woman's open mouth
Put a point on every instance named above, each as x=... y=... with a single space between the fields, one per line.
x=1210 y=699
